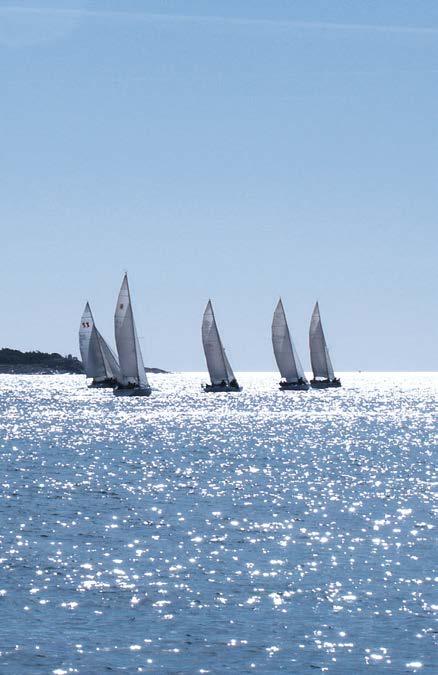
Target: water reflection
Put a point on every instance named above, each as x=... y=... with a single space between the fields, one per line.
x=263 y=531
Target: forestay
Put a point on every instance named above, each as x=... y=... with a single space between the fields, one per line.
x=128 y=347
x=285 y=353
x=98 y=360
x=217 y=362
x=319 y=355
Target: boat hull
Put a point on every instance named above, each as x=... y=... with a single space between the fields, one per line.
x=217 y=388
x=325 y=384
x=132 y=391
x=294 y=386
x=105 y=384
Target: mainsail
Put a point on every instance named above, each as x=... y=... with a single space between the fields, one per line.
x=319 y=355
x=99 y=361
x=217 y=361
x=286 y=355
x=128 y=347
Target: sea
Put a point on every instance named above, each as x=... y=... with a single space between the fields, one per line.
x=253 y=532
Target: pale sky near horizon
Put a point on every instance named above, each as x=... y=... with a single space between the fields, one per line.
x=235 y=150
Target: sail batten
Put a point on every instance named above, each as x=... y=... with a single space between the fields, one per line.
x=128 y=347
x=219 y=367
x=98 y=360
x=287 y=358
x=319 y=354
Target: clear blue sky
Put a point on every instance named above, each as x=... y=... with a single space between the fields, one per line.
x=232 y=150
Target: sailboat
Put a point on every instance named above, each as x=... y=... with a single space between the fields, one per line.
x=98 y=360
x=288 y=361
x=221 y=374
x=132 y=380
x=323 y=374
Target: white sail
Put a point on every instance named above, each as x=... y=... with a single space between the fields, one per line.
x=285 y=353
x=217 y=362
x=98 y=360
x=230 y=374
x=128 y=347
x=109 y=358
x=319 y=355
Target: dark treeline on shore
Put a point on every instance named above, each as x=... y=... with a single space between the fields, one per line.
x=14 y=361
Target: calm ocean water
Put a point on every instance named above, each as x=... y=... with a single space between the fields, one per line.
x=188 y=532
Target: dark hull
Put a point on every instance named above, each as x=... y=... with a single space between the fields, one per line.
x=105 y=384
x=217 y=388
x=294 y=386
x=132 y=391
x=325 y=384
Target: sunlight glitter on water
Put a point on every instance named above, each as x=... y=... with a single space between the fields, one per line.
x=263 y=531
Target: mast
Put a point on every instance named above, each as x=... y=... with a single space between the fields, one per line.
x=286 y=356
x=319 y=355
x=224 y=358
x=128 y=347
x=85 y=336
x=92 y=346
x=93 y=363
x=217 y=362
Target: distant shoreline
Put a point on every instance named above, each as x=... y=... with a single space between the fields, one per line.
x=16 y=362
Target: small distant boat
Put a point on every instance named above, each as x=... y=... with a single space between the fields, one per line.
x=323 y=374
x=288 y=361
x=132 y=380
x=221 y=374
x=99 y=361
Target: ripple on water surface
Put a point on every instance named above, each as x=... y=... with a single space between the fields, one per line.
x=262 y=531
